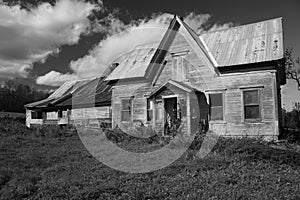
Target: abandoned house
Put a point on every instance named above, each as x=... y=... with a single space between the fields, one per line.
x=226 y=81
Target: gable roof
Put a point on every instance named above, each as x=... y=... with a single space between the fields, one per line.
x=251 y=43
x=199 y=47
x=145 y=61
x=177 y=84
x=245 y=44
x=134 y=63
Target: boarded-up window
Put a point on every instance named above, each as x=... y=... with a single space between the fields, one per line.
x=126 y=109
x=216 y=106
x=251 y=104
x=149 y=110
x=179 y=69
x=36 y=115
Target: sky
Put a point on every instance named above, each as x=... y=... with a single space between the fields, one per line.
x=44 y=43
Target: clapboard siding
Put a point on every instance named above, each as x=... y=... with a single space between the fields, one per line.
x=138 y=93
x=91 y=113
x=204 y=80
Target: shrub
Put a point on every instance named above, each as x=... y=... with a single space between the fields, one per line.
x=117 y=135
x=10 y=126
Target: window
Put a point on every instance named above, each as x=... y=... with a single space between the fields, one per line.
x=149 y=110
x=36 y=115
x=126 y=109
x=59 y=114
x=251 y=104
x=216 y=106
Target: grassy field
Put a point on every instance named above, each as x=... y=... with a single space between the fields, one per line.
x=12 y=115
x=58 y=167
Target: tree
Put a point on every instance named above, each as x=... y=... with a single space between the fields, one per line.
x=292 y=67
x=13 y=96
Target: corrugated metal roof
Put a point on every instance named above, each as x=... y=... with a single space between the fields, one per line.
x=134 y=63
x=95 y=92
x=68 y=87
x=251 y=43
x=62 y=89
x=41 y=103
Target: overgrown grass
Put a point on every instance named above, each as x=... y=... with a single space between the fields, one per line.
x=44 y=167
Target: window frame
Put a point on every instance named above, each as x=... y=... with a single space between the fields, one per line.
x=149 y=109
x=36 y=115
x=223 y=105
x=259 y=119
x=122 y=110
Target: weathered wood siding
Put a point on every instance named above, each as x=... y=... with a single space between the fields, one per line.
x=92 y=117
x=80 y=116
x=202 y=78
x=139 y=94
x=234 y=122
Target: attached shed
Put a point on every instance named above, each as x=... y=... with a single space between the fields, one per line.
x=86 y=102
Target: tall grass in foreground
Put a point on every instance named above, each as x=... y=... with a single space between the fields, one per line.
x=48 y=166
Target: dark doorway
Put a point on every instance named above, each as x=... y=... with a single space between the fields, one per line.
x=171 y=118
x=204 y=112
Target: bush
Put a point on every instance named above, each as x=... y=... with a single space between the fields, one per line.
x=10 y=126
x=54 y=131
x=292 y=135
x=117 y=135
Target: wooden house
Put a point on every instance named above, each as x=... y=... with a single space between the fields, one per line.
x=226 y=81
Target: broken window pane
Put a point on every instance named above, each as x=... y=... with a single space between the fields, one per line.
x=36 y=115
x=126 y=110
x=251 y=97
x=126 y=104
x=126 y=115
x=251 y=104
x=251 y=112
x=149 y=110
x=216 y=99
x=216 y=106
x=217 y=113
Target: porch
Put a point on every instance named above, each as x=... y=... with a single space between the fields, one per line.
x=175 y=107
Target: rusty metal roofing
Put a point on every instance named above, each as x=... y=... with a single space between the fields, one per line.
x=62 y=89
x=81 y=90
x=94 y=93
x=67 y=87
x=41 y=103
x=251 y=43
x=134 y=63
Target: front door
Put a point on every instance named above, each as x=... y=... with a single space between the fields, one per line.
x=170 y=106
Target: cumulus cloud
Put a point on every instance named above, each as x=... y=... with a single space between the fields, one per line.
x=29 y=36
x=54 y=78
x=122 y=38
